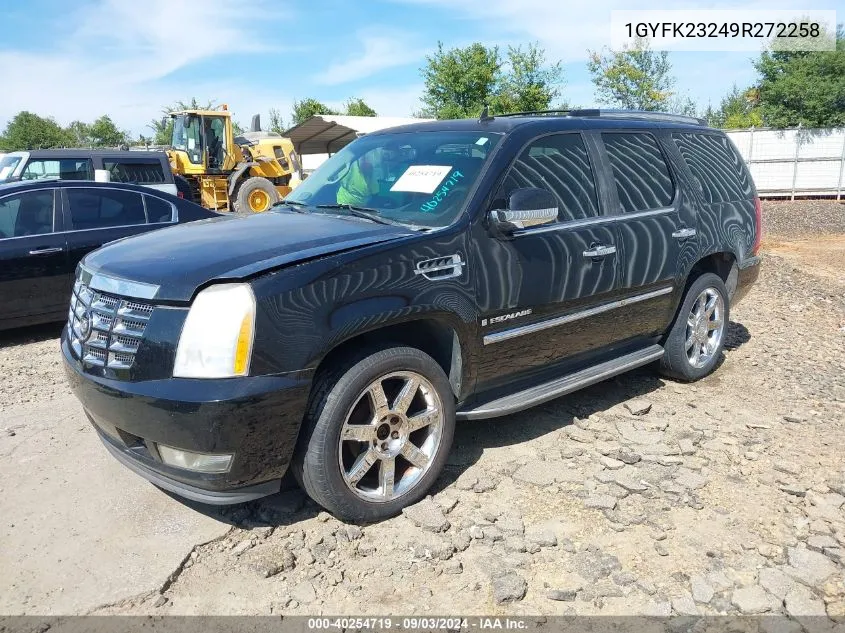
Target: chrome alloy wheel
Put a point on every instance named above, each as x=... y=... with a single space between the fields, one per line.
x=705 y=327
x=390 y=436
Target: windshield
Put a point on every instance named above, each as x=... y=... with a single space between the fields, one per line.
x=7 y=166
x=416 y=178
x=186 y=136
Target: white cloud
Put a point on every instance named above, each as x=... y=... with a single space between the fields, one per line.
x=117 y=56
x=380 y=52
x=393 y=101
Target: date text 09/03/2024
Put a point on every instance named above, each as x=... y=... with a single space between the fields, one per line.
x=418 y=623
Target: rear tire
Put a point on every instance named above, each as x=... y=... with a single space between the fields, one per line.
x=255 y=195
x=377 y=434
x=694 y=345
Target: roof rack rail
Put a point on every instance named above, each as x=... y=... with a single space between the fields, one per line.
x=537 y=112
x=643 y=115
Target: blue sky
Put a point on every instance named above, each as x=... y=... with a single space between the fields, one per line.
x=128 y=58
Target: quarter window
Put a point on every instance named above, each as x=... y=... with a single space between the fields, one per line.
x=29 y=213
x=102 y=208
x=158 y=210
x=64 y=169
x=642 y=177
x=559 y=164
x=719 y=171
x=144 y=172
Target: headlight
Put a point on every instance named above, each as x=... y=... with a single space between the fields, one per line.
x=216 y=340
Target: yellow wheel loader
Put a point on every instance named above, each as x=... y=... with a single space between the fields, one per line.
x=247 y=173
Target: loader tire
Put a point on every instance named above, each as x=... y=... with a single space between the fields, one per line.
x=255 y=195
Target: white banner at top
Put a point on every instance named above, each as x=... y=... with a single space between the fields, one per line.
x=716 y=30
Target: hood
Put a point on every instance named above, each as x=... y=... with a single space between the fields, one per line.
x=182 y=258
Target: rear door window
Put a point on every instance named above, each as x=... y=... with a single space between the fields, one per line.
x=140 y=171
x=643 y=180
x=103 y=208
x=63 y=168
x=715 y=165
x=30 y=213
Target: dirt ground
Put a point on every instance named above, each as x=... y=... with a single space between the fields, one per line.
x=636 y=496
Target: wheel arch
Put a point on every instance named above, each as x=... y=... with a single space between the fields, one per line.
x=433 y=334
x=236 y=177
x=721 y=263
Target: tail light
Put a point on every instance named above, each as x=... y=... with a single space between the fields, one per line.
x=180 y=194
x=758 y=226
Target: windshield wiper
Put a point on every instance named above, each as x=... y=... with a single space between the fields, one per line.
x=293 y=204
x=361 y=212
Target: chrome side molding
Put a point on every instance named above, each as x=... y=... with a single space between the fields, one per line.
x=504 y=335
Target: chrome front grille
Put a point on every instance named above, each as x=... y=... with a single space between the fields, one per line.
x=104 y=330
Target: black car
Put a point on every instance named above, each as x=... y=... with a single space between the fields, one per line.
x=47 y=227
x=427 y=273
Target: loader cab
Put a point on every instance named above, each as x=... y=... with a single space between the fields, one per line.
x=203 y=141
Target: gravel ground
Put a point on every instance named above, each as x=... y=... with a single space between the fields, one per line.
x=636 y=496
x=803 y=218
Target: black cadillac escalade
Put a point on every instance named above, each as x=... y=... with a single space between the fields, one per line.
x=424 y=274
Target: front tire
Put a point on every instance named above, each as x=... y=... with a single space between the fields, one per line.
x=695 y=342
x=255 y=195
x=377 y=434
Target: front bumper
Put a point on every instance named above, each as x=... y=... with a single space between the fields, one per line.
x=255 y=418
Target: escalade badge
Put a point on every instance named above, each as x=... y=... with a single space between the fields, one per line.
x=506 y=317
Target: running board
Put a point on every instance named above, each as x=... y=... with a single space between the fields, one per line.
x=562 y=386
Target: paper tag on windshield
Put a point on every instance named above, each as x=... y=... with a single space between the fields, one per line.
x=421 y=178
x=5 y=172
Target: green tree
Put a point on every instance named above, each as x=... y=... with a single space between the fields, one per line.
x=104 y=133
x=738 y=109
x=527 y=82
x=357 y=107
x=636 y=77
x=163 y=127
x=307 y=108
x=459 y=81
x=27 y=130
x=803 y=87
x=277 y=123
x=80 y=133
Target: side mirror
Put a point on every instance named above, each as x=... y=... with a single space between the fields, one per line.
x=526 y=208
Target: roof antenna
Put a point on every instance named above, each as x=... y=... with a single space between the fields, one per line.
x=485 y=115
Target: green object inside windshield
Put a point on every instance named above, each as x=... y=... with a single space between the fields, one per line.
x=416 y=178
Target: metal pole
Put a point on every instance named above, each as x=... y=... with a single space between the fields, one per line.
x=841 y=168
x=751 y=147
x=795 y=164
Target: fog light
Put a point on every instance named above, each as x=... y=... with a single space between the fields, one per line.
x=200 y=462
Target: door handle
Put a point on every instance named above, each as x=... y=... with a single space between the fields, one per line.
x=684 y=233
x=47 y=251
x=600 y=251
